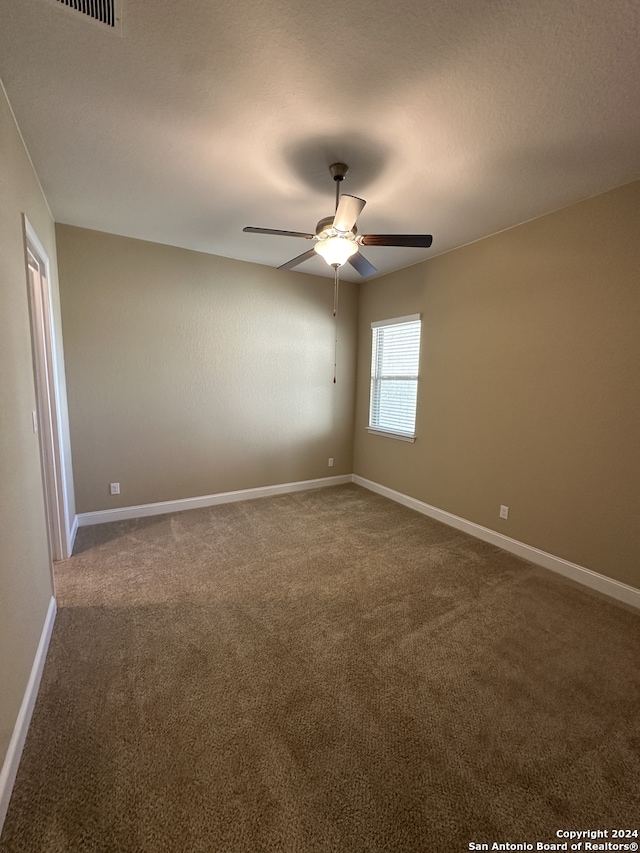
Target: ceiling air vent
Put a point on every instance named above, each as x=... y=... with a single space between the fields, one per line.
x=104 y=11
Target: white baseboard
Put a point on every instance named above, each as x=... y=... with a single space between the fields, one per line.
x=103 y=516
x=615 y=589
x=608 y=586
x=16 y=744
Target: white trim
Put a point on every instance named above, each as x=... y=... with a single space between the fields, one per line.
x=608 y=586
x=57 y=475
x=103 y=516
x=16 y=744
x=387 y=433
x=72 y=534
x=396 y=321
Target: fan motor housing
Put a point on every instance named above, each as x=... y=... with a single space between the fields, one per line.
x=327 y=223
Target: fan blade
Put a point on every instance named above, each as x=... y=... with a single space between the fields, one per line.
x=295 y=261
x=360 y=263
x=418 y=241
x=278 y=233
x=349 y=209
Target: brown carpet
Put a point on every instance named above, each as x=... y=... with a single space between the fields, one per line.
x=323 y=671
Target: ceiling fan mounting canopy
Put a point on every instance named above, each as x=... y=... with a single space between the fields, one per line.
x=338 y=171
x=336 y=236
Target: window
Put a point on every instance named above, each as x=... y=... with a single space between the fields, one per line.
x=395 y=355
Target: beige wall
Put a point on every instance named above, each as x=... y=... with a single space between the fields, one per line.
x=191 y=374
x=25 y=577
x=530 y=376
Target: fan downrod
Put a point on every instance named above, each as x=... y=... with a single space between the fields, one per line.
x=338 y=172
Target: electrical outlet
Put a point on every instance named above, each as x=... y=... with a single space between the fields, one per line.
x=330 y=462
x=114 y=488
x=504 y=512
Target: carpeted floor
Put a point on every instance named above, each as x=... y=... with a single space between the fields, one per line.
x=323 y=671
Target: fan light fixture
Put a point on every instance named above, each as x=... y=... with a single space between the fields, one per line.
x=338 y=240
x=336 y=249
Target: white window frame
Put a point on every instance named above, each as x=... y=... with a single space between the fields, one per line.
x=375 y=428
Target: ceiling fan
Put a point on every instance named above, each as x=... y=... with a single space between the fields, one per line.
x=336 y=237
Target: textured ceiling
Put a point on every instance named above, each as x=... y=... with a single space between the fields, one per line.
x=458 y=118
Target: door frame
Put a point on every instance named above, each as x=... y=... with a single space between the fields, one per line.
x=46 y=373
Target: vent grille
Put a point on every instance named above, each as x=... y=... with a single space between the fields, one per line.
x=103 y=11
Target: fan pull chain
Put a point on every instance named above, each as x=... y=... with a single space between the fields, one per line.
x=335 y=314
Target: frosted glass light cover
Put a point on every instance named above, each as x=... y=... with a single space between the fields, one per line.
x=336 y=250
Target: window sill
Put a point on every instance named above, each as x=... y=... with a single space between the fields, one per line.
x=387 y=434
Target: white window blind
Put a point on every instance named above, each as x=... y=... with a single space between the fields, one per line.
x=395 y=356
